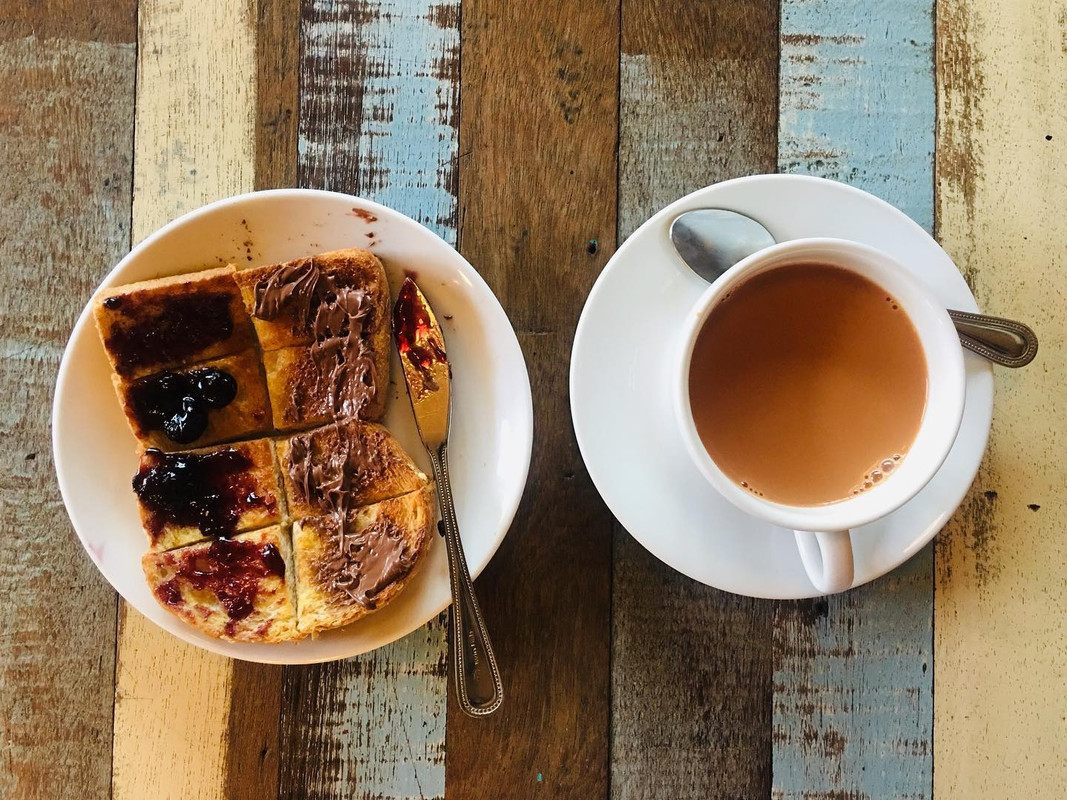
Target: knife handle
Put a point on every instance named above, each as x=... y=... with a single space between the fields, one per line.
x=478 y=685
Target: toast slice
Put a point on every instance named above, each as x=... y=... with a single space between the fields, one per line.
x=158 y=406
x=302 y=394
x=208 y=493
x=343 y=575
x=238 y=589
x=359 y=460
x=292 y=316
x=171 y=322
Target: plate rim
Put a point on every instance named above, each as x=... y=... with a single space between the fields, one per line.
x=181 y=629
x=580 y=333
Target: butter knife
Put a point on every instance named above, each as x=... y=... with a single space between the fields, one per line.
x=428 y=376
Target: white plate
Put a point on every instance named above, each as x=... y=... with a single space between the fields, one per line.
x=621 y=412
x=492 y=420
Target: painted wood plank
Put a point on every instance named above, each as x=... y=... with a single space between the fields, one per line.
x=66 y=121
x=378 y=105
x=1001 y=566
x=853 y=673
x=194 y=143
x=537 y=195
x=691 y=666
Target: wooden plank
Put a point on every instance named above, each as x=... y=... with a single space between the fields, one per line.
x=691 y=714
x=377 y=118
x=1001 y=566
x=538 y=201
x=66 y=120
x=853 y=677
x=195 y=143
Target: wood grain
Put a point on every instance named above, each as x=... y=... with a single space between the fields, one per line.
x=195 y=143
x=1001 y=565
x=377 y=118
x=691 y=666
x=66 y=121
x=853 y=673
x=537 y=192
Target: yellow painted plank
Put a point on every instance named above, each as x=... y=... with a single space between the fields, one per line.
x=194 y=143
x=1001 y=566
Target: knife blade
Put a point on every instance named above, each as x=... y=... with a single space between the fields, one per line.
x=428 y=376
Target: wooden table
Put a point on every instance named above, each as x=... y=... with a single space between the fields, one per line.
x=536 y=135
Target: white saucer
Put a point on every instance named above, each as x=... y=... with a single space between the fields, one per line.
x=622 y=417
x=492 y=415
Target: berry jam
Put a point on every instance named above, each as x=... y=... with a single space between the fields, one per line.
x=177 y=403
x=414 y=332
x=231 y=570
x=175 y=332
x=209 y=491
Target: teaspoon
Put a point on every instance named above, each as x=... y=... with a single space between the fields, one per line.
x=711 y=240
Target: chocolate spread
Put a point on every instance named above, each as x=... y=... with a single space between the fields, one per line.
x=337 y=317
x=367 y=562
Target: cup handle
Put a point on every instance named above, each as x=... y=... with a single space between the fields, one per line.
x=827 y=558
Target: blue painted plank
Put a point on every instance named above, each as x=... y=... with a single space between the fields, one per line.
x=378 y=118
x=853 y=674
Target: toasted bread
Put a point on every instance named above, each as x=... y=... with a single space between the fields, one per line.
x=343 y=577
x=349 y=269
x=301 y=396
x=362 y=458
x=247 y=415
x=214 y=491
x=239 y=589
x=183 y=319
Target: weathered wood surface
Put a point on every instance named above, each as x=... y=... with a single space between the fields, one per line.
x=66 y=121
x=195 y=143
x=853 y=673
x=1000 y=625
x=537 y=189
x=691 y=666
x=377 y=118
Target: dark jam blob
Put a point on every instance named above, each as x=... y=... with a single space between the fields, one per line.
x=174 y=332
x=414 y=332
x=209 y=491
x=177 y=402
x=112 y=303
x=230 y=570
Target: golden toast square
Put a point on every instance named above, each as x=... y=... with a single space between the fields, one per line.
x=172 y=321
x=238 y=589
x=343 y=575
x=302 y=396
x=360 y=459
x=302 y=285
x=153 y=403
x=212 y=492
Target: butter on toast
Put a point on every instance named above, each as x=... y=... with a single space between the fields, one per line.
x=183 y=408
x=346 y=464
x=173 y=321
x=211 y=492
x=343 y=575
x=239 y=589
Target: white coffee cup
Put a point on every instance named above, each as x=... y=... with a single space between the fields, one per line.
x=823 y=532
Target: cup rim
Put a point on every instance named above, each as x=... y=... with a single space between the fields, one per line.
x=945 y=369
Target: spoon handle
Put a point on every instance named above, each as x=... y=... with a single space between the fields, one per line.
x=1002 y=341
x=478 y=684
